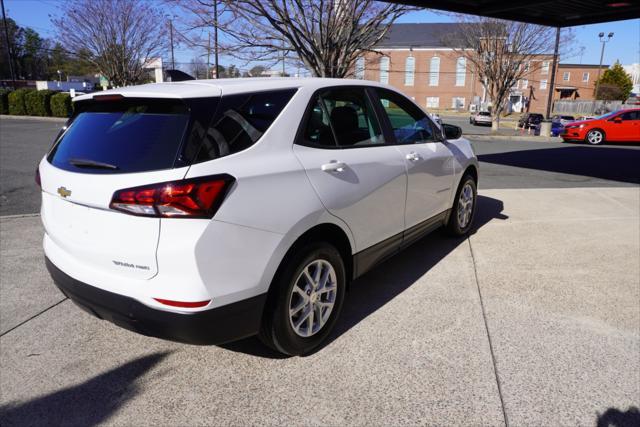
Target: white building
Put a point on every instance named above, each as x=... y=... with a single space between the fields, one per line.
x=634 y=71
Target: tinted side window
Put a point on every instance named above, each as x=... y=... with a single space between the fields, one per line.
x=240 y=121
x=630 y=115
x=342 y=117
x=410 y=125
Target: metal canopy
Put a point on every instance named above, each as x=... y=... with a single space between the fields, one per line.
x=554 y=13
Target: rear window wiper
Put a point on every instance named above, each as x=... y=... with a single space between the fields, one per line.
x=86 y=163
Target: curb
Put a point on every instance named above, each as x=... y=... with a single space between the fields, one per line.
x=40 y=118
x=531 y=138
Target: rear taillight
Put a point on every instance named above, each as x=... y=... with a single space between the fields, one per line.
x=38 y=177
x=188 y=198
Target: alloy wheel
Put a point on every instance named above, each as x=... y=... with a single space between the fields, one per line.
x=465 y=205
x=595 y=137
x=312 y=298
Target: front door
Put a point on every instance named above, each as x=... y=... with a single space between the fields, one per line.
x=429 y=161
x=624 y=127
x=357 y=175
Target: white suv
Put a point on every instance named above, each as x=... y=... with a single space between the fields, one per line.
x=207 y=211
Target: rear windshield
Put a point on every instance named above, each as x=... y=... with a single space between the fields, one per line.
x=122 y=136
x=139 y=135
x=484 y=113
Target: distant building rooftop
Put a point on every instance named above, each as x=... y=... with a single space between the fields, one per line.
x=582 y=66
x=432 y=35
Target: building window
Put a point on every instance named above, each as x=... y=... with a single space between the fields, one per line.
x=543 y=84
x=384 y=69
x=433 y=102
x=585 y=77
x=545 y=67
x=434 y=71
x=457 y=102
x=409 y=71
x=461 y=71
x=525 y=84
x=566 y=75
x=360 y=68
x=527 y=66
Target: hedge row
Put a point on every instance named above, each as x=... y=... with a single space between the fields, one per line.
x=30 y=102
x=61 y=105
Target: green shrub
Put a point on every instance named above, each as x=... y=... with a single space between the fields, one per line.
x=37 y=102
x=61 y=105
x=4 y=101
x=17 y=105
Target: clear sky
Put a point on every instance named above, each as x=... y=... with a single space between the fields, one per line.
x=625 y=45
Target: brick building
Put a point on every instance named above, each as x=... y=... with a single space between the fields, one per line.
x=416 y=60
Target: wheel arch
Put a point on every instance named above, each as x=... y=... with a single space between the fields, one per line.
x=473 y=171
x=325 y=232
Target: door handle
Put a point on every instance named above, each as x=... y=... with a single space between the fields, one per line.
x=334 y=166
x=413 y=156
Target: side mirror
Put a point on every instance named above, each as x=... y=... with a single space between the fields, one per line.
x=617 y=120
x=451 y=131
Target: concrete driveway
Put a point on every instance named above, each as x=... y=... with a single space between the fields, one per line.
x=533 y=320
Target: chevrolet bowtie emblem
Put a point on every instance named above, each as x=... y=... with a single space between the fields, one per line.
x=63 y=192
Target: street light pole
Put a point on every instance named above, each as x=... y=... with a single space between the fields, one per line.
x=603 y=41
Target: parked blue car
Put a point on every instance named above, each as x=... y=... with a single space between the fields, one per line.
x=556 y=127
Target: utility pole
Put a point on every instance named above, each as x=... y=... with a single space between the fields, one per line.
x=215 y=37
x=173 y=62
x=283 y=64
x=9 y=53
x=553 y=73
x=208 y=53
x=603 y=41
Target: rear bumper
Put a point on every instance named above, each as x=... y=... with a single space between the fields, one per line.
x=216 y=326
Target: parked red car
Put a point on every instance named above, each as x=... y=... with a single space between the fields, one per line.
x=619 y=126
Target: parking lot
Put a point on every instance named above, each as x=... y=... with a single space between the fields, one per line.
x=532 y=320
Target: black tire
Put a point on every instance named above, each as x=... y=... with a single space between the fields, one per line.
x=276 y=330
x=594 y=140
x=454 y=226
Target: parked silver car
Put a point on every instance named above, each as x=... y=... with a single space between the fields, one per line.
x=480 y=118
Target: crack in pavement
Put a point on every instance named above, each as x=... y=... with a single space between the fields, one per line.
x=486 y=326
x=33 y=317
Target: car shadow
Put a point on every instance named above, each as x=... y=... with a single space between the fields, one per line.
x=608 y=162
x=387 y=280
x=614 y=417
x=89 y=403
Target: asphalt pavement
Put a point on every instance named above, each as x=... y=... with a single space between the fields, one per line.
x=23 y=143
x=533 y=320
x=504 y=163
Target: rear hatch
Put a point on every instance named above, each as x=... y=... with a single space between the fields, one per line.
x=112 y=144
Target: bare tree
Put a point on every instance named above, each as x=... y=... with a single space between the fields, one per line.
x=198 y=68
x=327 y=36
x=119 y=35
x=501 y=52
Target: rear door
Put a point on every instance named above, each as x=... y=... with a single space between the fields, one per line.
x=428 y=160
x=110 y=145
x=357 y=175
